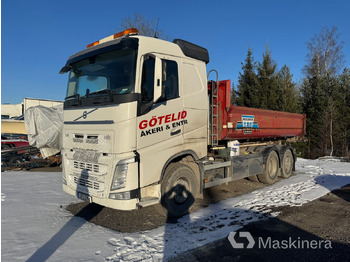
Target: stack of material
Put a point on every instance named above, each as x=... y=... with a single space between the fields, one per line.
x=44 y=127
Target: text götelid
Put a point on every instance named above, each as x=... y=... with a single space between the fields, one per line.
x=161 y=123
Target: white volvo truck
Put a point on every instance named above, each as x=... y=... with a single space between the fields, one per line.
x=141 y=127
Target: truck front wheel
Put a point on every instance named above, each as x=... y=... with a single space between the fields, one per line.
x=253 y=178
x=179 y=187
x=269 y=176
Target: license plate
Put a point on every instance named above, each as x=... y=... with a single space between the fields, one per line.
x=84 y=197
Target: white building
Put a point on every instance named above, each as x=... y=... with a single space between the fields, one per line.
x=12 y=111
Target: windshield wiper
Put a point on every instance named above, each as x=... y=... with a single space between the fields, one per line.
x=98 y=100
x=101 y=92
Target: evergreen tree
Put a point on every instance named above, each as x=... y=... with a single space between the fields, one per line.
x=268 y=91
x=343 y=104
x=233 y=97
x=289 y=98
x=321 y=91
x=247 y=92
x=330 y=116
x=314 y=109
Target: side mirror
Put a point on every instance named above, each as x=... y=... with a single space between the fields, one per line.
x=157 y=92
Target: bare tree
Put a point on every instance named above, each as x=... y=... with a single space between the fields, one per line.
x=145 y=27
x=326 y=51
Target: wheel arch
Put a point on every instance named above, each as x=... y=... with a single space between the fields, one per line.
x=266 y=151
x=280 y=150
x=176 y=158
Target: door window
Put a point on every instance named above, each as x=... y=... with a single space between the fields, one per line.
x=170 y=79
x=147 y=83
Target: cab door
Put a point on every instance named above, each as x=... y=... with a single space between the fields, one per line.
x=161 y=118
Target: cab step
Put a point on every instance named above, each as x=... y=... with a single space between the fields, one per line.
x=148 y=201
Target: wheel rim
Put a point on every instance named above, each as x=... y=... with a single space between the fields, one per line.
x=272 y=167
x=287 y=163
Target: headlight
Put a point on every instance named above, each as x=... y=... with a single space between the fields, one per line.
x=120 y=173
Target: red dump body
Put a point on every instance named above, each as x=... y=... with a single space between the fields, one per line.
x=242 y=123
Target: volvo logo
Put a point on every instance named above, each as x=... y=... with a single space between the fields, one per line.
x=85 y=114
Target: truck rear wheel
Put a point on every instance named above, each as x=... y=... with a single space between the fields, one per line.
x=287 y=164
x=269 y=176
x=179 y=187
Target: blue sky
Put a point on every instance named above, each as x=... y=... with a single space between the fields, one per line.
x=38 y=36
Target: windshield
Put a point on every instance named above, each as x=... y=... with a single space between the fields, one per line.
x=111 y=73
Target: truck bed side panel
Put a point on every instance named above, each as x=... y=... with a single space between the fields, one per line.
x=237 y=122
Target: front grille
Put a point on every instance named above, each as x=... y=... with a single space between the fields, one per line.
x=92 y=141
x=87 y=156
x=87 y=166
x=86 y=183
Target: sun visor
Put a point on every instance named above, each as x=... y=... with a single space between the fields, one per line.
x=192 y=50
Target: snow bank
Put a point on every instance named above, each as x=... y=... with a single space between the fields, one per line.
x=34 y=226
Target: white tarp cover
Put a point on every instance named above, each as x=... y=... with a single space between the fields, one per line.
x=44 y=127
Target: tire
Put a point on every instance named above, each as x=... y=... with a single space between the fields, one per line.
x=253 y=178
x=287 y=164
x=179 y=187
x=5 y=146
x=269 y=176
x=16 y=160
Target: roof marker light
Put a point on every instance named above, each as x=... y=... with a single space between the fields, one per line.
x=93 y=44
x=130 y=31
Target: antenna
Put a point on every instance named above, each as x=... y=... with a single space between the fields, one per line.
x=155 y=32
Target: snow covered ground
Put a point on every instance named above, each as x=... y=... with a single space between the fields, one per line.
x=35 y=227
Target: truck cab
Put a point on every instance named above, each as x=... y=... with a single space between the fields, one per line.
x=133 y=105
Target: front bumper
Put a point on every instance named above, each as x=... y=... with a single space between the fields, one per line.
x=125 y=204
x=93 y=177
